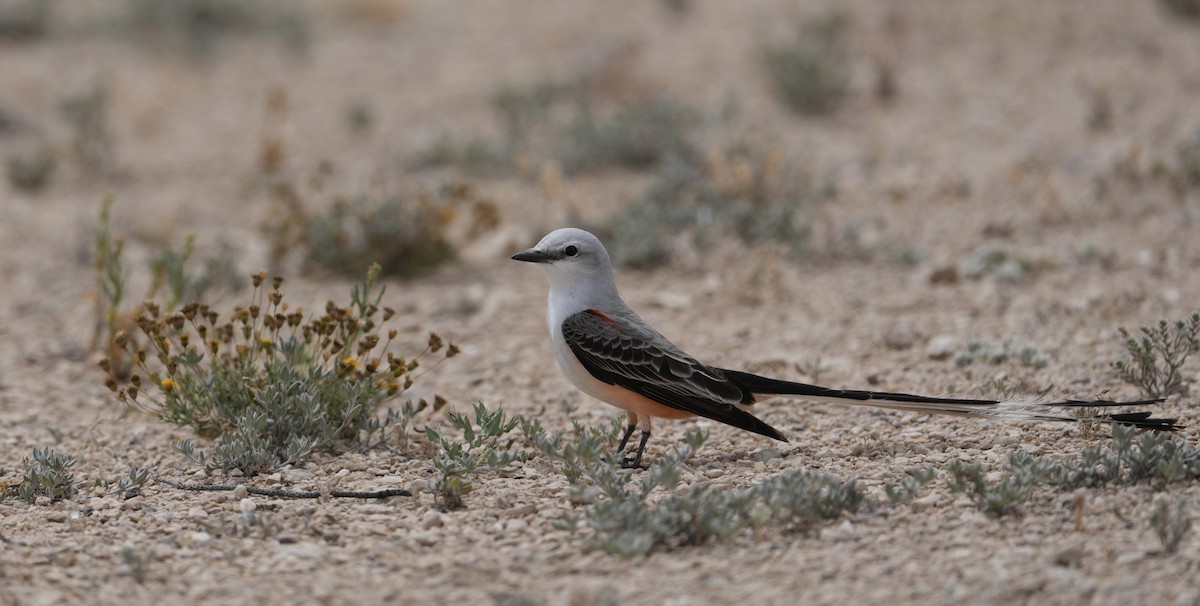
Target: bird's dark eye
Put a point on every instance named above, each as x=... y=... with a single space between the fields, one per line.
x=571 y=251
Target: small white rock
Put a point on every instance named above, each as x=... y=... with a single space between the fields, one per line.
x=200 y=537
x=240 y=492
x=196 y=513
x=941 y=347
x=247 y=505
x=431 y=519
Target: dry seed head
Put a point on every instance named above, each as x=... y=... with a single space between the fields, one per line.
x=104 y=363
x=408 y=381
x=189 y=310
x=177 y=320
x=141 y=356
x=452 y=351
x=439 y=403
x=275 y=297
x=111 y=383
x=276 y=282
x=257 y=279
x=392 y=334
x=254 y=309
x=435 y=341
x=136 y=380
x=121 y=339
x=388 y=313
x=151 y=307
x=183 y=340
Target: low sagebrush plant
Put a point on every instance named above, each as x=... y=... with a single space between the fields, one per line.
x=270 y=384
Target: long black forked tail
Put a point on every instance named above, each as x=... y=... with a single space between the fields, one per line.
x=1033 y=410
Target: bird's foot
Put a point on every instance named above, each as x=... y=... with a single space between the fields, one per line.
x=633 y=463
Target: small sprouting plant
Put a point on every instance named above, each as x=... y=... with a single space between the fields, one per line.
x=479 y=452
x=134 y=479
x=110 y=277
x=47 y=474
x=1171 y=523
x=899 y=494
x=137 y=561
x=811 y=74
x=1156 y=357
x=175 y=276
x=800 y=500
x=270 y=384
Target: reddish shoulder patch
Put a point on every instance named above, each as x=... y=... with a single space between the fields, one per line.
x=602 y=316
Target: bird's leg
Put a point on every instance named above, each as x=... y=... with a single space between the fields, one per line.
x=625 y=438
x=636 y=461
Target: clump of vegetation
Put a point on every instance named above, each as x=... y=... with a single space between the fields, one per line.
x=741 y=192
x=994 y=353
x=1000 y=262
x=1007 y=496
x=1187 y=9
x=637 y=136
x=137 y=562
x=31 y=171
x=172 y=270
x=1171 y=523
x=87 y=114
x=24 y=20
x=1130 y=458
x=633 y=516
x=271 y=385
x=197 y=26
x=1155 y=359
x=479 y=452
x=811 y=74
x=406 y=236
x=47 y=474
x=475 y=155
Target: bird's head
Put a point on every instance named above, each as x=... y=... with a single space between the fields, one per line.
x=572 y=258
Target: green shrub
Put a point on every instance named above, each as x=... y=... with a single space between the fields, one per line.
x=269 y=384
x=1156 y=358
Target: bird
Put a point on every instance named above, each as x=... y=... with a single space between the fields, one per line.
x=611 y=354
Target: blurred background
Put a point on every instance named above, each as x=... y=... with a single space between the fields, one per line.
x=320 y=136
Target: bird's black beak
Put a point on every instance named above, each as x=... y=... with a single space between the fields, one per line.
x=533 y=255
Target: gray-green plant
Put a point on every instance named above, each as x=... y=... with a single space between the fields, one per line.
x=199 y=26
x=1130 y=457
x=47 y=474
x=24 y=20
x=574 y=450
x=1158 y=354
x=405 y=236
x=811 y=72
x=1007 y=351
x=138 y=561
x=270 y=385
x=136 y=477
x=479 y=451
x=1171 y=522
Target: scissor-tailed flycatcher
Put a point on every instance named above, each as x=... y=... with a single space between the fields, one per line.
x=610 y=353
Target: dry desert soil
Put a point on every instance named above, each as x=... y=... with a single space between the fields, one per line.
x=1045 y=131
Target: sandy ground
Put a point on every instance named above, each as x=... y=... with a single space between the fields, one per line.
x=987 y=141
